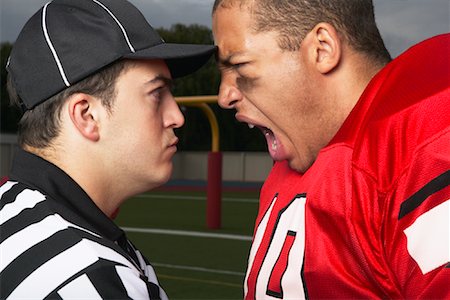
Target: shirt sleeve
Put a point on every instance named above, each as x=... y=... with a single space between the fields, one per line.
x=108 y=280
x=416 y=227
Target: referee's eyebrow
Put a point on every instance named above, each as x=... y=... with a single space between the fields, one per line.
x=158 y=78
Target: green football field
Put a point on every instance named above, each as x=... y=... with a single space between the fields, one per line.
x=192 y=262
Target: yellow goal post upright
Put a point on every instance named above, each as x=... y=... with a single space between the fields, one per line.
x=214 y=180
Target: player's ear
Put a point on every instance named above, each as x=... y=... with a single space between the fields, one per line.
x=325 y=47
x=84 y=114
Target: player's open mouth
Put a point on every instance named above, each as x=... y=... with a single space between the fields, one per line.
x=272 y=142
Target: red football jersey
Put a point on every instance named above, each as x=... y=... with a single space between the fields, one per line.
x=371 y=217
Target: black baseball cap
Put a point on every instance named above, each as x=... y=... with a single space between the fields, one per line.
x=68 y=40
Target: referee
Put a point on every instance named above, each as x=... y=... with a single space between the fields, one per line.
x=93 y=80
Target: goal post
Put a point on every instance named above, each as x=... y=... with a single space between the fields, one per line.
x=214 y=180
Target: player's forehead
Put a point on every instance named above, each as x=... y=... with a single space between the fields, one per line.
x=232 y=3
x=231 y=35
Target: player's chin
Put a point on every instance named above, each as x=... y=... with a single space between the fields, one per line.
x=299 y=165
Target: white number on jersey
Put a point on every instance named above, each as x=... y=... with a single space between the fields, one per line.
x=280 y=274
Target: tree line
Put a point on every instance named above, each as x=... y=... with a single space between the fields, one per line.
x=195 y=135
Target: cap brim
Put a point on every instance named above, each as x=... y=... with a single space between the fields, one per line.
x=182 y=59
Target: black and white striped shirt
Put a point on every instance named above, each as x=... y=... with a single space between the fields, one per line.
x=56 y=243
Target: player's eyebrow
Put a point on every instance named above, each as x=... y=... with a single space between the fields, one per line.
x=226 y=61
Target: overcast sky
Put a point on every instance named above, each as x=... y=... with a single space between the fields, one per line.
x=402 y=22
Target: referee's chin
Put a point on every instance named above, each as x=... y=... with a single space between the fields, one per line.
x=158 y=177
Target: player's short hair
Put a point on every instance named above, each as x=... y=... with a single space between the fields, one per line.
x=294 y=19
x=39 y=126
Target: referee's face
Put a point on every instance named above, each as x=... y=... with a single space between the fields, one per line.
x=139 y=134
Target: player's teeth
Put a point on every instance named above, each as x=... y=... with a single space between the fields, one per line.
x=251 y=126
x=274 y=145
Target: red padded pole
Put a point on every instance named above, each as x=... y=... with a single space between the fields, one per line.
x=214 y=190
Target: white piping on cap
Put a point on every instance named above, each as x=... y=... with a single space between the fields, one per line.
x=50 y=44
x=118 y=23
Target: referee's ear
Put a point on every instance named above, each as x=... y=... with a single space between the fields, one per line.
x=84 y=114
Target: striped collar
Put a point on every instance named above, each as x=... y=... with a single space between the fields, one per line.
x=68 y=198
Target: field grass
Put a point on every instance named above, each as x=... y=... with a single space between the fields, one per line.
x=192 y=262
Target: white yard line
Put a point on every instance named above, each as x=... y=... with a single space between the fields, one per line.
x=189 y=233
x=190 y=268
x=180 y=197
